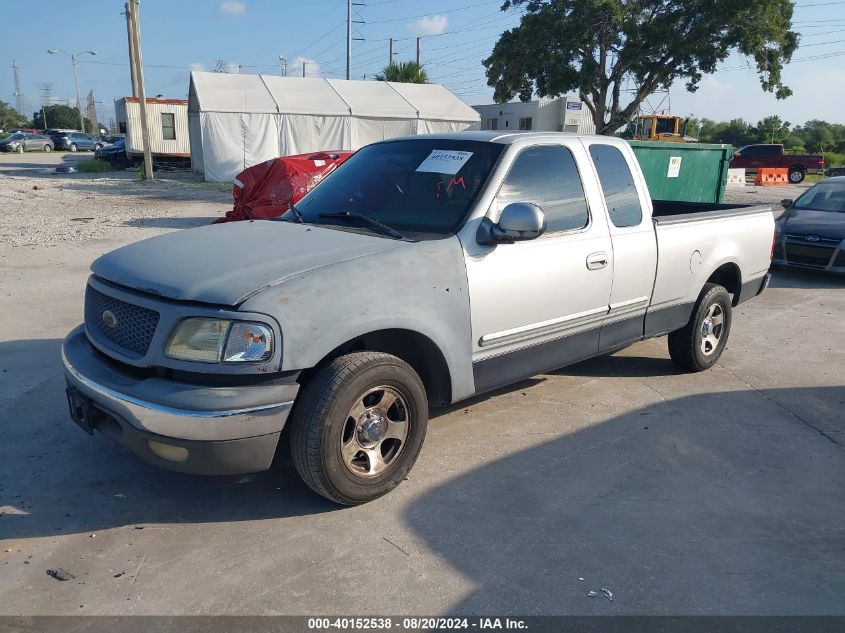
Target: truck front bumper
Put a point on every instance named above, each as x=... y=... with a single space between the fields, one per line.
x=190 y=428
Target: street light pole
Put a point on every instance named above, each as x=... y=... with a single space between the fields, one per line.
x=78 y=100
x=73 y=57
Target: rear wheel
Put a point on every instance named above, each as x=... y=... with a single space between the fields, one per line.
x=73 y=147
x=47 y=148
x=358 y=426
x=796 y=175
x=699 y=344
x=836 y=172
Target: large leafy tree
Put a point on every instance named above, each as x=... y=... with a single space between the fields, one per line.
x=615 y=53
x=60 y=116
x=403 y=72
x=11 y=118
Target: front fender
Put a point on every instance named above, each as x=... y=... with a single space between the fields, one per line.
x=421 y=287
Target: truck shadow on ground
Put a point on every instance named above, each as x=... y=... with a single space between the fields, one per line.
x=720 y=503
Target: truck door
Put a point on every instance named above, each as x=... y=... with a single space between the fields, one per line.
x=634 y=244
x=537 y=305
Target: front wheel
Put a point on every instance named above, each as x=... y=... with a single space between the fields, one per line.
x=699 y=344
x=19 y=149
x=796 y=176
x=73 y=147
x=358 y=426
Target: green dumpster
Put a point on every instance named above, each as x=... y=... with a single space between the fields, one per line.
x=686 y=172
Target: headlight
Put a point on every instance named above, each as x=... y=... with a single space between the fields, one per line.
x=220 y=340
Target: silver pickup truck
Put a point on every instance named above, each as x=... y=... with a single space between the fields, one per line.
x=424 y=271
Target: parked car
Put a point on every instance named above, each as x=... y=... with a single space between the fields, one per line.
x=834 y=171
x=25 y=142
x=114 y=153
x=811 y=233
x=106 y=139
x=423 y=270
x=753 y=157
x=74 y=141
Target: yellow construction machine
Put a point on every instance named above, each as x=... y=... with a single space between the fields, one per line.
x=662 y=127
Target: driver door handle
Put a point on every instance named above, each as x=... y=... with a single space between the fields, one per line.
x=596 y=261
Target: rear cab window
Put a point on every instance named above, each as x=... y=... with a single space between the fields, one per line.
x=617 y=185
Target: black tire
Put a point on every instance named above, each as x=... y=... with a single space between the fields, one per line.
x=47 y=148
x=321 y=416
x=685 y=344
x=796 y=175
x=19 y=149
x=73 y=147
x=835 y=172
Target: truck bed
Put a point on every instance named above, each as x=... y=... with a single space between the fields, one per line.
x=673 y=212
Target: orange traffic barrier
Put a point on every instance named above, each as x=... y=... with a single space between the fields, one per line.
x=768 y=176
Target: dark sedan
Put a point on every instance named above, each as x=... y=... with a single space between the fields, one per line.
x=811 y=233
x=115 y=153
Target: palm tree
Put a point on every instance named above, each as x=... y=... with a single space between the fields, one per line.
x=403 y=72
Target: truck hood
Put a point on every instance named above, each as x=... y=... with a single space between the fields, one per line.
x=224 y=264
x=826 y=224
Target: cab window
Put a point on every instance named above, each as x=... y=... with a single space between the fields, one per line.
x=548 y=177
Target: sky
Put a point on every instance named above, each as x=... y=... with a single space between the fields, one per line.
x=251 y=36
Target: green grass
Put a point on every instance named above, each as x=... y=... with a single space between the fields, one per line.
x=94 y=166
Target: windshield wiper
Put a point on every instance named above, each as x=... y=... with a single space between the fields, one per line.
x=380 y=226
x=297 y=214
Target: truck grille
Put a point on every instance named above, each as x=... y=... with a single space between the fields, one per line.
x=808 y=255
x=128 y=327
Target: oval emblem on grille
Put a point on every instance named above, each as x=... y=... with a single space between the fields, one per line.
x=109 y=320
x=812 y=238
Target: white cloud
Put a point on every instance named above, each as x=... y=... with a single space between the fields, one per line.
x=233 y=7
x=312 y=67
x=429 y=25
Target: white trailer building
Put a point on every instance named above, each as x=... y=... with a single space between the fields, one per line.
x=167 y=120
x=237 y=121
x=561 y=114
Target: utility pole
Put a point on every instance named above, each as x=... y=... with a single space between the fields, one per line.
x=418 y=51
x=18 y=93
x=136 y=60
x=284 y=62
x=46 y=89
x=132 y=76
x=390 y=59
x=349 y=38
x=303 y=69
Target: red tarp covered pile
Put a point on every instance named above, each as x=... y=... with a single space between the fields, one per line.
x=268 y=189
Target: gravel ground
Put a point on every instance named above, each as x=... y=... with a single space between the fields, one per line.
x=53 y=209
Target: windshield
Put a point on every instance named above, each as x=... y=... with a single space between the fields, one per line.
x=825 y=196
x=422 y=188
x=17 y=136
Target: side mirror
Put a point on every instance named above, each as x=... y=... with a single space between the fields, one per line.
x=518 y=222
x=787 y=203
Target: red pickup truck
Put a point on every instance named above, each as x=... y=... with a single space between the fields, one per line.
x=753 y=157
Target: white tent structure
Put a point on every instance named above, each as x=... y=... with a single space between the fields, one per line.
x=236 y=121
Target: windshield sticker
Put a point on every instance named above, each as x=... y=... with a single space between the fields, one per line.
x=444 y=161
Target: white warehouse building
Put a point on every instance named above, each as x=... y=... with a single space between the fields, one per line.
x=559 y=114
